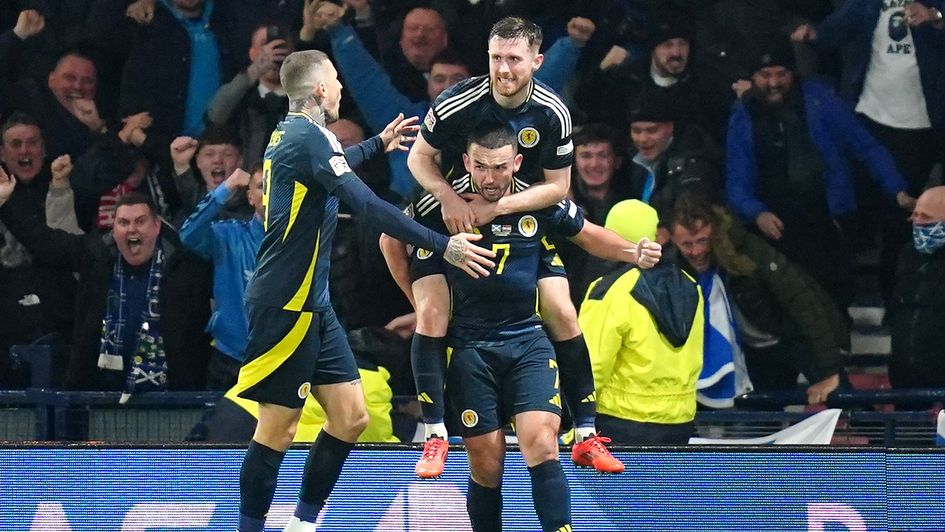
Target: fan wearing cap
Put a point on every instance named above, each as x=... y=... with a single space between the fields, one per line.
x=667 y=71
x=787 y=170
x=669 y=158
x=644 y=331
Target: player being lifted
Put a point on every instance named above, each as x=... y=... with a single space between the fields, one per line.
x=296 y=345
x=503 y=366
x=543 y=125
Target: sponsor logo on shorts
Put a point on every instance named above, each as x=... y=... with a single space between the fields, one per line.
x=528 y=137
x=430 y=120
x=423 y=254
x=304 y=390
x=470 y=418
x=528 y=225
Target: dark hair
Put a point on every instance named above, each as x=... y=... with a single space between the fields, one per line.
x=257 y=167
x=18 y=119
x=492 y=136
x=691 y=210
x=599 y=132
x=517 y=28
x=219 y=135
x=450 y=56
x=78 y=52
x=136 y=198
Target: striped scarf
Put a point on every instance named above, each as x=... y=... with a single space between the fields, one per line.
x=148 y=365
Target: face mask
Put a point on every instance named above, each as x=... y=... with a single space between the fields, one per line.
x=928 y=238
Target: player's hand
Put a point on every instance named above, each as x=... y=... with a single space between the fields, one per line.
x=400 y=133
x=183 y=150
x=29 y=23
x=61 y=169
x=648 y=253
x=580 y=30
x=820 y=391
x=770 y=225
x=472 y=259
x=804 y=33
x=457 y=214
x=484 y=211
x=239 y=178
x=7 y=184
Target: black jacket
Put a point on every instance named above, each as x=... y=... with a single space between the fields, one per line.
x=185 y=298
x=691 y=163
x=916 y=315
x=157 y=73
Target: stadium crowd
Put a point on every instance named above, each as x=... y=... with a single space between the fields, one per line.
x=774 y=140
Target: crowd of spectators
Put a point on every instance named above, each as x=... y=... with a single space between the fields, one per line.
x=774 y=139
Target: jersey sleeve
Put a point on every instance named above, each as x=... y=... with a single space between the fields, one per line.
x=558 y=150
x=567 y=218
x=327 y=159
x=446 y=112
x=425 y=210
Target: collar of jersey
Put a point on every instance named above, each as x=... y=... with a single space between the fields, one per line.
x=528 y=99
x=302 y=114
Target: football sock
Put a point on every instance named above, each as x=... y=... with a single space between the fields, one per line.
x=322 y=469
x=257 y=485
x=428 y=356
x=484 y=506
x=577 y=380
x=551 y=496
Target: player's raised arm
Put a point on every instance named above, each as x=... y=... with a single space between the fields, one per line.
x=608 y=245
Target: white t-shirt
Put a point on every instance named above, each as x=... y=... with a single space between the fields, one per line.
x=892 y=91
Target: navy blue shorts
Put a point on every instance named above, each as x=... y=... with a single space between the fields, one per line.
x=489 y=383
x=289 y=352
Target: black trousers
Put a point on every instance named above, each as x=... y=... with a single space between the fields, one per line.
x=627 y=432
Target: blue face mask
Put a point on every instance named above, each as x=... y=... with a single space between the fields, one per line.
x=928 y=238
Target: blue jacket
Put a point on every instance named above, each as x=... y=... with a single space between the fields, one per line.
x=232 y=246
x=833 y=128
x=379 y=100
x=851 y=27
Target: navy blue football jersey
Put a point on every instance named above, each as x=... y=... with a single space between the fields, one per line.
x=542 y=125
x=504 y=304
x=303 y=164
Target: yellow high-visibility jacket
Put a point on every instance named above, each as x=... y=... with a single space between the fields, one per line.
x=644 y=331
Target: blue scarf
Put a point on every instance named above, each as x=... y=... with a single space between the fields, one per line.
x=716 y=385
x=147 y=367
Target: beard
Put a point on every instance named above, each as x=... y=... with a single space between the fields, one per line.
x=508 y=86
